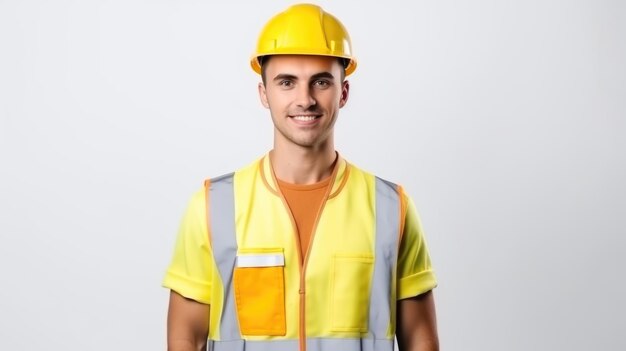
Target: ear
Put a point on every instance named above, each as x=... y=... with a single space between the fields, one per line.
x=345 y=92
x=263 y=95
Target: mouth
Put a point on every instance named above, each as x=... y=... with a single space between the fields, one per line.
x=304 y=119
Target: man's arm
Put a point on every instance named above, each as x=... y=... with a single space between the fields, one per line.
x=416 y=323
x=187 y=324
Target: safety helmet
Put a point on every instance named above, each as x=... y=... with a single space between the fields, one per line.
x=304 y=29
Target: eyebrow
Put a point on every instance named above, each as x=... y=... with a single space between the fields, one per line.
x=322 y=75
x=287 y=76
x=282 y=76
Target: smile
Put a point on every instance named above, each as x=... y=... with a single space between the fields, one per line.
x=304 y=118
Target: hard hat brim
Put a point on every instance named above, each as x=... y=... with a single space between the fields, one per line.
x=256 y=66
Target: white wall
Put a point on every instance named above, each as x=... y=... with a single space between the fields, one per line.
x=505 y=120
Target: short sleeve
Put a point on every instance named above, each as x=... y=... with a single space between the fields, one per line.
x=191 y=270
x=415 y=273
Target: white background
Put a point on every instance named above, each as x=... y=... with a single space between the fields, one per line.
x=505 y=120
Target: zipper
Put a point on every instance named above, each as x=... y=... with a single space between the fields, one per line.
x=304 y=261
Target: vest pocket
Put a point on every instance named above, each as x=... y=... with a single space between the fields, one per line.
x=351 y=279
x=260 y=291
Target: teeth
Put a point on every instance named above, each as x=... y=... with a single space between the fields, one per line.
x=304 y=118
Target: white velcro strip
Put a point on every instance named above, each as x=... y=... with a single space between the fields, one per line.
x=269 y=260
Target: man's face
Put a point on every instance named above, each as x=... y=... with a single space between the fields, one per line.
x=304 y=95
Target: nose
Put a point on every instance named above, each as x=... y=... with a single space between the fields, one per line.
x=304 y=97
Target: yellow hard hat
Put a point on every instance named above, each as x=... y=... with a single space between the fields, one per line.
x=304 y=29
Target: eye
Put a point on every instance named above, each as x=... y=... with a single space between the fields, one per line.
x=285 y=83
x=321 y=83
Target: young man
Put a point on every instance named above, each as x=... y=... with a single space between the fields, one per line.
x=301 y=250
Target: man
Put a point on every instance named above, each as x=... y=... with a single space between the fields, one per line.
x=301 y=250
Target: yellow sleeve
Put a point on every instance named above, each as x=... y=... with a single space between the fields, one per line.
x=191 y=270
x=415 y=274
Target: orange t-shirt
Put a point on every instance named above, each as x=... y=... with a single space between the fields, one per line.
x=304 y=201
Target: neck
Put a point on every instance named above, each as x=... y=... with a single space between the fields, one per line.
x=298 y=165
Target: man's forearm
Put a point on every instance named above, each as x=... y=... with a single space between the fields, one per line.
x=416 y=324
x=423 y=344
x=187 y=324
x=185 y=345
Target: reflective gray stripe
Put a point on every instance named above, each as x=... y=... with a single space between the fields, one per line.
x=224 y=245
x=387 y=226
x=312 y=344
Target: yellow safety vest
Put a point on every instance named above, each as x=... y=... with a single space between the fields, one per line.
x=340 y=296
